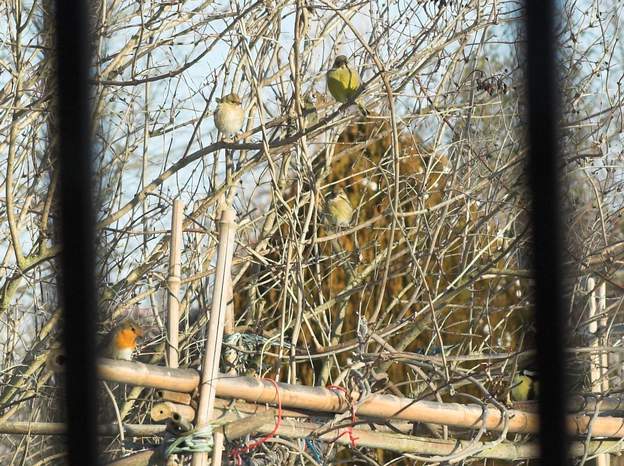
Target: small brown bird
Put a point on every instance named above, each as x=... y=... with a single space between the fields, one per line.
x=339 y=209
x=229 y=115
x=121 y=342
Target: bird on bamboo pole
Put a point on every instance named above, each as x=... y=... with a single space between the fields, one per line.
x=121 y=341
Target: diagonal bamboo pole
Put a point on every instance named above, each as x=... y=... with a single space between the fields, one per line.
x=212 y=350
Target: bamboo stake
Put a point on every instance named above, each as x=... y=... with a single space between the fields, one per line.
x=228 y=328
x=603 y=459
x=212 y=351
x=604 y=357
x=173 y=283
x=594 y=372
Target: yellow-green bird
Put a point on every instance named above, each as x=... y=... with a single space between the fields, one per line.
x=339 y=209
x=525 y=386
x=309 y=110
x=342 y=81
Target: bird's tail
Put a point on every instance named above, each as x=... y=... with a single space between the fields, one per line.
x=362 y=108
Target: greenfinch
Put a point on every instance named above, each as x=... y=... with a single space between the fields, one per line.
x=121 y=342
x=339 y=209
x=525 y=386
x=309 y=110
x=229 y=115
x=342 y=81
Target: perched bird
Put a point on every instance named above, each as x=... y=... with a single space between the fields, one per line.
x=525 y=386
x=229 y=115
x=339 y=209
x=342 y=81
x=121 y=342
x=310 y=114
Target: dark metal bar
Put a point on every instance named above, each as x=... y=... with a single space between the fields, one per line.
x=77 y=235
x=543 y=105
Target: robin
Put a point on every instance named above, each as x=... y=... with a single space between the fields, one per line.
x=121 y=342
x=229 y=115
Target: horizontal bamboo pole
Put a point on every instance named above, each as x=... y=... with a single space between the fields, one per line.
x=424 y=446
x=59 y=428
x=226 y=411
x=148 y=375
x=332 y=401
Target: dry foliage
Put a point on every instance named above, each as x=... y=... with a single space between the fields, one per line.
x=415 y=298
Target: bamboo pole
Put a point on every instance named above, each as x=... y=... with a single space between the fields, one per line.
x=148 y=375
x=375 y=406
x=403 y=443
x=604 y=326
x=173 y=283
x=60 y=428
x=186 y=381
x=212 y=351
x=228 y=329
x=596 y=372
x=603 y=459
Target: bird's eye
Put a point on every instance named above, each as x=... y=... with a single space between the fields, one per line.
x=133 y=329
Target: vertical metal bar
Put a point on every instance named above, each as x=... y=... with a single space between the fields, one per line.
x=548 y=240
x=77 y=281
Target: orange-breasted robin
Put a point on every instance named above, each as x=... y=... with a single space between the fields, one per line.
x=121 y=342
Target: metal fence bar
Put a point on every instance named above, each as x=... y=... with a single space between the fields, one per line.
x=546 y=217
x=77 y=285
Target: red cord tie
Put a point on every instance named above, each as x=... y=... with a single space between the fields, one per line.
x=237 y=452
x=349 y=429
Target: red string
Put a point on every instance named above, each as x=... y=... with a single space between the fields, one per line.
x=237 y=452
x=348 y=429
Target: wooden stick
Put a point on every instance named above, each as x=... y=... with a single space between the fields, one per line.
x=173 y=283
x=212 y=350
